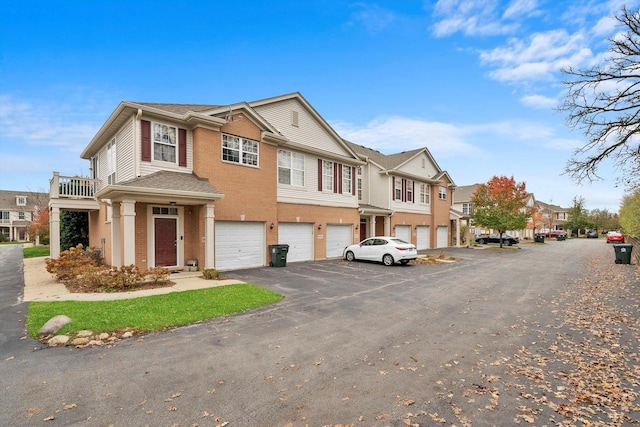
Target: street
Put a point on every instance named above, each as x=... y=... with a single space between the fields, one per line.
x=496 y=337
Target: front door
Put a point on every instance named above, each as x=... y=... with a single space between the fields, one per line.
x=166 y=248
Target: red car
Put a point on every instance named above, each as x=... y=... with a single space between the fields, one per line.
x=556 y=233
x=615 y=237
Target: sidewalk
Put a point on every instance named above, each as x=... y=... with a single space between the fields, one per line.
x=39 y=285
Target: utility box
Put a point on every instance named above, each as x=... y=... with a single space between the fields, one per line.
x=191 y=265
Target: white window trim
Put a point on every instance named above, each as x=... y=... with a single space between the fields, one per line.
x=442 y=193
x=347 y=182
x=327 y=175
x=425 y=194
x=397 y=195
x=168 y=144
x=111 y=162
x=291 y=168
x=409 y=196
x=241 y=150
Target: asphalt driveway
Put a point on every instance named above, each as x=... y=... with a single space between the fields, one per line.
x=352 y=343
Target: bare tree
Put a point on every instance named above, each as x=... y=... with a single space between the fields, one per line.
x=604 y=102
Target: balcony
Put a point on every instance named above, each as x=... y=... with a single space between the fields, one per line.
x=72 y=187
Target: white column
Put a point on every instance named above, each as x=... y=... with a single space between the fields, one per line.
x=458 y=232
x=372 y=226
x=129 y=228
x=387 y=225
x=209 y=238
x=116 y=243
x=54 y=232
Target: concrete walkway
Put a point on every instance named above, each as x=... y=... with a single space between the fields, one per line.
x=40 y=285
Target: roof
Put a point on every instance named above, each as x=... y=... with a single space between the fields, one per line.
x=463 y=193
x=554 y=208
x=389 y=161
x=178 y=108
x=172 y=181
x=8 y=200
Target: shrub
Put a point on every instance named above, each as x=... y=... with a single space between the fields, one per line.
x=73 y=262
x=211 y=274
x=158 y=275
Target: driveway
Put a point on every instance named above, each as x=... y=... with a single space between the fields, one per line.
x=352 y=343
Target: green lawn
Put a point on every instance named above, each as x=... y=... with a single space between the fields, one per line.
x=35 y=251
x=152 y=313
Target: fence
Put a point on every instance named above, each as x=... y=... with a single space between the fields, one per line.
x=635 y=252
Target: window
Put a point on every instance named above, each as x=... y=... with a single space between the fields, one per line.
x=442 y=193
x=327 y=175
x=111 y=161
x=165 y=211
x=424 y=194
x=397 y=185
x=359 y=183
x=347 y=179
x=4 y=217
x=21 y=215
x=290 y=168
x=466 y=208
x=165 y=138
x=409 y=192
x=21 y=200
x=239 y=150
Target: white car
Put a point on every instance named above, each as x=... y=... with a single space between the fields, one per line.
x=387 y=250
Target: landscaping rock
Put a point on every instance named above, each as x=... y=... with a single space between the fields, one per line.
x=103 y=336
x=54 y=325
x=80 y=341
x=58 y=340
x=127 y=334
x=85 y=333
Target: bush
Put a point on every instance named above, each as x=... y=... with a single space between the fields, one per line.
x=211 y=274
x=158 y=275
x=73 y=262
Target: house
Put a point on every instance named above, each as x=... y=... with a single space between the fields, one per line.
x=216 y=185
x=552 y=217
x=406 y=195
x=462 y=202
x=17 y=209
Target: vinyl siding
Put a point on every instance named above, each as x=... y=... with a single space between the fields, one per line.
x=147 y=168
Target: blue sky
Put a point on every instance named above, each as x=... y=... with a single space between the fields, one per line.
x=475 y=81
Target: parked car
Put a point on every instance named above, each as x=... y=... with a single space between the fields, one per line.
x=592 y=234
x=495 y=238
x=615 y=237
x=387 y=250
x=557 y=233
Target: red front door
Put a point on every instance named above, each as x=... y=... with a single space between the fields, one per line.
x=166 y=248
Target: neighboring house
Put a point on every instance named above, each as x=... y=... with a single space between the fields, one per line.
x=406 y=195
x=552 y=217
x=16 y=212
x=174 y=184
x=462 y=203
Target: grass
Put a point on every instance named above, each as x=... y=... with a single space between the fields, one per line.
x=35 y=251
x=153 y=313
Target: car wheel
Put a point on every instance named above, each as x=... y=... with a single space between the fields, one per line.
x=387 y=259
x=481 y=241
x=509 y=242
x=350 y=256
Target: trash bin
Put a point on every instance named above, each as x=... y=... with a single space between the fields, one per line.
x=539 y=238
x=278 y=255
x=561 y=237
x=623 y=253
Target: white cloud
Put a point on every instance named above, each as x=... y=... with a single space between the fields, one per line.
x=539 y=102
x=520 y=8
x=470 y=17
x=372 y=17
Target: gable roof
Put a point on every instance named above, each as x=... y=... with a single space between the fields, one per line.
x=463 y=193
x=179 y=108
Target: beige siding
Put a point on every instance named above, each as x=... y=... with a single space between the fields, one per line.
x=414 y=167
x=125 y=152
x=147 y=168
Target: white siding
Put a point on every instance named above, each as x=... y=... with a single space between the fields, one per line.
x=414 y=166
x=147 y=168
x=125 y=148
x=308 y=132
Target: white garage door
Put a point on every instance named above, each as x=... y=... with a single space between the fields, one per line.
x=441 y=236
x=299 y=237
x=404 y=232
x=422 y=237
x=338 y=237
x=239 y=245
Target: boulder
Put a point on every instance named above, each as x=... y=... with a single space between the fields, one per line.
x=58 y=340
x=54 y=325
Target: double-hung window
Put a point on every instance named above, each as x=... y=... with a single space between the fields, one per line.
x=165 y=139
x=409 y=191
x=290 y=168
x=21 y=215
x=359 y=181
x=21 y=200
x=398 y=189
x=466 y=208
x=327 y=175
x=347 y=179
x=424 y=194
x=239 y=150
x=442 y=193
x=4 y=217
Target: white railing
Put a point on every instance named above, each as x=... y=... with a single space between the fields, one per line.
x=72 y=187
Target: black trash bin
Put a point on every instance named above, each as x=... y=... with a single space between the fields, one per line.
x=623 y=253
x=561 y=237
x=539 y=238
x=278 y=255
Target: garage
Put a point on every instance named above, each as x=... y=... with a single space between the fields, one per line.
x=239 y=245
x=422 y=237
x=339 y=236
x=442 y=240
x=403 y=232
x=299 y=237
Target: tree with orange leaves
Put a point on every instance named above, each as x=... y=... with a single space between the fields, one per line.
x=39 y=225
x=500 y=204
